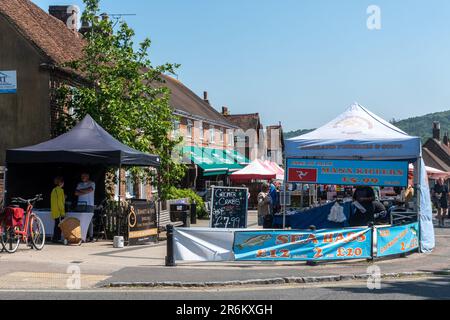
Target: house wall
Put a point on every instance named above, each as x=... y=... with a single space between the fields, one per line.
x=25 y=116
x=195 y=140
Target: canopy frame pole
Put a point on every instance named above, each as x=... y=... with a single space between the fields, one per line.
x=119 y=195
x=5 y=185
x=285 y=184
x=158 y=200
x=419 y=196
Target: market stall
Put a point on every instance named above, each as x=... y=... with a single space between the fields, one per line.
x=361 y=149
x=256 y=170
x=87 y=147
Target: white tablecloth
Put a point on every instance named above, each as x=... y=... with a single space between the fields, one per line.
x=84 y=217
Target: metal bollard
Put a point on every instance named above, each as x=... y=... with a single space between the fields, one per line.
x=193 y=213
x=170 y=257
x=371 y=225
x=312 y=263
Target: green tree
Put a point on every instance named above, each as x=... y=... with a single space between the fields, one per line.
x=125 y=93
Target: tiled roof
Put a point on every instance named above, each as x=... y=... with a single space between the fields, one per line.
x=48 y=34
x=61 y=45
x=186 y=102
x=437 y=155
x=246 y=121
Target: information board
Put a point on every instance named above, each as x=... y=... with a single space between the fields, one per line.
x=229 y=207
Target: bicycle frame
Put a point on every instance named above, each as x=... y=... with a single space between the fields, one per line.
x=25 y=232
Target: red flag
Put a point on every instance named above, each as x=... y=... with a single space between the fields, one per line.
x=302 y=175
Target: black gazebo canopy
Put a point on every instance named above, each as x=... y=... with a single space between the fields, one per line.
x=87 y=143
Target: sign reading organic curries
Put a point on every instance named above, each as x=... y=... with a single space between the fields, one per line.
x=8 y=82
x=142 y=226
x=348 y=172
x=229 y=207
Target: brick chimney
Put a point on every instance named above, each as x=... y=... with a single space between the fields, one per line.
x=446 y=139
x=437 y=130
x=225 y=111
x=205 y=97
x=63 y=13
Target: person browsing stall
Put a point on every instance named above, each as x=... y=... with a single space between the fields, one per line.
x=57 y=205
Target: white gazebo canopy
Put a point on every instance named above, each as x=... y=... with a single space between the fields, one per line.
x=355 y=134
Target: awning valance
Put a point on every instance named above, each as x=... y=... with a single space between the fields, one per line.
x=211 y=161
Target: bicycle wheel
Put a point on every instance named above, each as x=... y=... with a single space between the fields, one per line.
x=37 y=232
x=9 y=239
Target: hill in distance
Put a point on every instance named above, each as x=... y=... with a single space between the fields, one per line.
x=417 y=126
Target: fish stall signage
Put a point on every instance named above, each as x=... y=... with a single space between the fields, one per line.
x=8 y=81
x=348 y=172
x=397 y=240
x=229 y=207
x=345 y=244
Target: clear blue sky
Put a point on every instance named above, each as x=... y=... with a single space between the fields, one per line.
x=301 y=62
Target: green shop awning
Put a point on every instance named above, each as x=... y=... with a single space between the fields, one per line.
x=212 y=161
x=237 y=157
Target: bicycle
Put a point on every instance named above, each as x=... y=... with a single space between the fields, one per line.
x=32 y=230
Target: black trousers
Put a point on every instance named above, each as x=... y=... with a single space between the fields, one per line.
x=268 y=222
x=57 y=231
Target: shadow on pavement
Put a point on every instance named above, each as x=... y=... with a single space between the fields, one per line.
x=436 y=288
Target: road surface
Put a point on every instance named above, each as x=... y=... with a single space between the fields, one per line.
x=411 y=289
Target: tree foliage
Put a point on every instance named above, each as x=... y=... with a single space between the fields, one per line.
x=125 y=92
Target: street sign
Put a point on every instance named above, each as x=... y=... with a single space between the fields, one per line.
x=348 y=172
x=229 y=207
x=8 y=82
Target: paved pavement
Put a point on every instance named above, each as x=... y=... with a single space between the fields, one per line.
x=99 y=264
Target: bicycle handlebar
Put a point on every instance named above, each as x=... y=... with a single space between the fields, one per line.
x=29 y=201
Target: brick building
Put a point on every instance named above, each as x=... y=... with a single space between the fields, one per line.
x=34 y=45
x=436 y=151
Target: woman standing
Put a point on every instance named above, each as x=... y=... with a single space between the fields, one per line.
x=57 y=202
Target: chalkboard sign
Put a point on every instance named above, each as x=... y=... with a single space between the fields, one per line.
x=229 y=208
x=142 y=226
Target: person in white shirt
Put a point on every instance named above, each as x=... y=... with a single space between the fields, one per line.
x=86 y=198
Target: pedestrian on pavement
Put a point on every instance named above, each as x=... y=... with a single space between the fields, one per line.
x=440 y=200
x=57 y=205
x=86 y=199
x=265 y=217
x=273 y=192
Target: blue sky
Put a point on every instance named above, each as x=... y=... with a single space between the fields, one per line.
x=301 y=62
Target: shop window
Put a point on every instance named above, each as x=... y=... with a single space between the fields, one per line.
x=211 y=135
x=230 y=139
x=202 y=133
x=189 y=129
x=176 y=129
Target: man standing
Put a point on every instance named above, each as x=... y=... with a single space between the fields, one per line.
x=440 y=200
x=85 y=193
x=274 y=195
x=265 y=218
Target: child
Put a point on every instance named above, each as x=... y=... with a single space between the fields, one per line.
x=58 y=201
